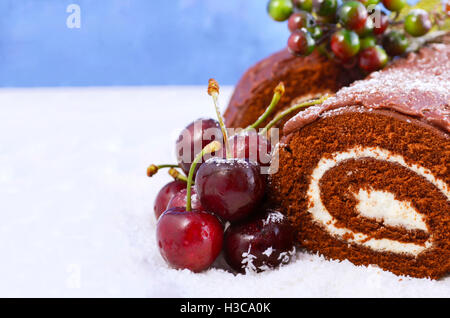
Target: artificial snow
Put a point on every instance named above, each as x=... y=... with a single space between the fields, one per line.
x=77 y=206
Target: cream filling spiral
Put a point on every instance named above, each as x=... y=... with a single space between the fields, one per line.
x=378 y=205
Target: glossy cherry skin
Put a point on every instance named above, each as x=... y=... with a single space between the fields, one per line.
x=262 y=242
x=179 y=200
x=252 y=146
x=189 y=240
x=230 y=188
x=194 y=138
x=166 y=194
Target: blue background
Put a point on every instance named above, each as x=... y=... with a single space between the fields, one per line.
x=133 y=42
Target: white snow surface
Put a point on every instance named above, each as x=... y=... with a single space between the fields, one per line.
x=77 y=207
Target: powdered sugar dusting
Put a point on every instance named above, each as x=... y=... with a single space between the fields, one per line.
x=268 y=251
x=418 y=86
x=273 y=217
x=247 y=261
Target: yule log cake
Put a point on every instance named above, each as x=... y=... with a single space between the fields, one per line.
x=305 y=77
x=365 y=176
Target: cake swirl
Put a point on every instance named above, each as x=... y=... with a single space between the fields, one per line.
x=366 y=175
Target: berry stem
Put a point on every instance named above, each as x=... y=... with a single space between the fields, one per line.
x=277 y=94
x=213 y=91
x=153 y=169
x=209 y=148
x=177 y=175
x=290 y=110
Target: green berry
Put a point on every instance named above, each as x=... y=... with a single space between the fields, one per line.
x=305 y=5
x=325 y=8
x=280 y=10
x=417 y=22
x=345 y=44
x=368 y=41
x=395 y=43
x=394 y=5
x=352 y=15
x=316 y=32
x=368 y=3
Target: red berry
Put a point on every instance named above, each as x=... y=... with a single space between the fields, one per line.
x=301 y=42
x=252 y=146
x=179 y=200
x=265 y=241
x=381 y=22
x=230 y=188
x=373 y=58
x=166 y=194
x=352 y=15
x=345 y=44
x=194 y=138
x=300 y=20
x=189 y=240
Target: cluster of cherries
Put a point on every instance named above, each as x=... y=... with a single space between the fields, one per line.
x=351 y=32
x=218 y=203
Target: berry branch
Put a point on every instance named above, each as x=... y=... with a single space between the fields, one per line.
x=358 y=31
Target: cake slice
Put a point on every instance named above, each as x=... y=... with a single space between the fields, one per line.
x=365 y=176
x=304 y=77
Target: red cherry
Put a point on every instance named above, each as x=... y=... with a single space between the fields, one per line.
x=166 y=194
x=230 y=188
x=179 y=200
x=252 y=146
x=265 y=241
x=194 y=138
x=189 y=240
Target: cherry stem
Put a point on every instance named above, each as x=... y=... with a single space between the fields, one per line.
x=213 y=91
x=177 y=175
x=153 y=169
x=283 y=114
x=277 y=94
x=209 y=148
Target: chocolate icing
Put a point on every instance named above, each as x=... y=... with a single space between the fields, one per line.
x=310 y=75
x=418 y=86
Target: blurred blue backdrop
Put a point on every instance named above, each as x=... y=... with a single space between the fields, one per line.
x=133 y=42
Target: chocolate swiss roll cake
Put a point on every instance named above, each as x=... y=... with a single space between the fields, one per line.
x=365 y=176
x=304 y=77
